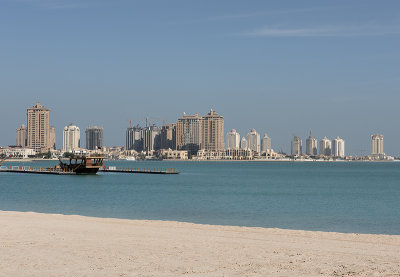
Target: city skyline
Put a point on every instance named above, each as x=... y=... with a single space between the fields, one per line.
x=280 y=68
x=316 y=144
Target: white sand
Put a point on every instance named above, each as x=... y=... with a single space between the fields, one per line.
x=33 y=244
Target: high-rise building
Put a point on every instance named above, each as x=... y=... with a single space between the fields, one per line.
x=377 y=144
x=52 y=139
x=253 y=141
x=311 y=145
x=297 y=146
x=213 y=131
x=338 y=149
x=168 y=136
x=151 y=138
x=243 y=143
x=265 y=143
x=71 y=138
x=134 y=139
x=189 y=133
x=232 y=140
x=94 y=138
x=38 y=129
x=21 y=136
x=325 y=147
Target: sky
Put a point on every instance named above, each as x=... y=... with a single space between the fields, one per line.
x=282 y=67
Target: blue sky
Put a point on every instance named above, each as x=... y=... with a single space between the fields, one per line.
x=281 y=67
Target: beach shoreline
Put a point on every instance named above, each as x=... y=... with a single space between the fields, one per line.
x=35 y=244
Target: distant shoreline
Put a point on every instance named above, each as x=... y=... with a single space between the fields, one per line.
x=222 y=160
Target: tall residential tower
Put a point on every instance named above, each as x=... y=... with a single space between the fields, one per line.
x=38 y=129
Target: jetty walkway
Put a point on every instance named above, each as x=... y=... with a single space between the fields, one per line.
x=109 y=169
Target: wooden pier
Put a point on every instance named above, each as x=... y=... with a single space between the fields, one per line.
x=110 y=169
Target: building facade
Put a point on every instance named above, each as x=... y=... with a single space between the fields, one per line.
x=253 y=141
x=265 y=144
x=52 y=140
x=243 y=143
x=38 y=128
x=189 y=133
x=311 y=146
x=325 y=147
x=213 y=131
x=94 y=137
x=134 y=139
x=21 y=139
x=151 y=138
x=232 y=140
x=338 y=149
x=71 y=138
x=377 y=144
x=168 y=136
x=296 y=146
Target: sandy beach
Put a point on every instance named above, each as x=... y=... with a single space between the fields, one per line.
x=34 y=244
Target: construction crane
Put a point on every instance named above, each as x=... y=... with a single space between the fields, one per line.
x=148 y=120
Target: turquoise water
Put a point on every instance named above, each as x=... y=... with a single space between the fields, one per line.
x=340 y=197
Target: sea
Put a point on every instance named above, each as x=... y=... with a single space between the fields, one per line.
x=350 y=197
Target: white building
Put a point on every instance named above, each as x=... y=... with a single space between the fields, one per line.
x=71 y=138
x=325 y=147
x=18 y=152
x=232 y=140
x=253 y=141
x=338 y=149
x=377 y=144
x=297 y=146
x=243 y=143
x=311 y=145
x=265 y=144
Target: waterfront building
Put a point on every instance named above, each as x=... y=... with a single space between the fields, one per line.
x=338 y=149
x=151 y=136
x=173 y=154
x=265 y=144
x=325 y=147
x=21 y=139
x=94 y=137
x=311 y=145
x=189 y=133
x=253 y=141
x=297 y=146
x=38 y=129
x=71 y=138
x=52 y=140
x=243 y=143
x=134 y=139
x=18 y=152
x=377 y=144
x=232 y=140
x=213 y=131
x=168 y=136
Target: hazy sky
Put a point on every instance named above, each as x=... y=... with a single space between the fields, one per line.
x=281 y=67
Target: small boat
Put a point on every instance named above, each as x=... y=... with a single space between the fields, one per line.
x=130 y=158
x=82 y=164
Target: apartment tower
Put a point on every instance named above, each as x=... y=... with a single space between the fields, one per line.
x=38 y=129
x=265 y=144
x=213 y=131
x=377 y=144
x=189 y=133
x=297 y=146
x=21 y=139
x=232 y=140
x=71 y=138
x=311 y=145
x=94 y=137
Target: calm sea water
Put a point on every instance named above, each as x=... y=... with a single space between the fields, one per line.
x=341 y=197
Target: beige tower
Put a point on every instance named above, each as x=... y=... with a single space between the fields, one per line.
x=52 y=142
x=189 y=134
x=21 y=136
x=38 y=129
x=213 y=131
